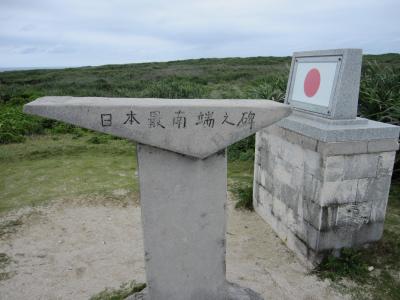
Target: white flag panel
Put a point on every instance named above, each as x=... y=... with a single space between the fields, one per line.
x=314 y=89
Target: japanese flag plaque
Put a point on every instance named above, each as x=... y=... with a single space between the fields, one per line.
x=325 y=82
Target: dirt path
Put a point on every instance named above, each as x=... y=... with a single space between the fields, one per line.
x=73 y=251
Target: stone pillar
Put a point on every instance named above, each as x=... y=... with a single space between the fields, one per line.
x=184 y=226
x=320 y=194
x=183 y=210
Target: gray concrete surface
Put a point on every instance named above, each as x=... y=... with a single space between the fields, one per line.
x=183 y=203
x=195 y=127
x=322 y=196
x=326 y=130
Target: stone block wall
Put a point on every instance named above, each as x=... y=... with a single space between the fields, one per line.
x=322 y=196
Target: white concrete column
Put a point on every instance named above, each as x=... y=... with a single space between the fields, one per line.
x=183 y=211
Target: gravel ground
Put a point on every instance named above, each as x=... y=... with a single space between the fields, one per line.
x=72 y=250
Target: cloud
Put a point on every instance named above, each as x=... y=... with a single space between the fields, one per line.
x=28 y=50
x=57 y=32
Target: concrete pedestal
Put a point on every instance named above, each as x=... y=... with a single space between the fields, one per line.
x=183 y=203
x=323 y=185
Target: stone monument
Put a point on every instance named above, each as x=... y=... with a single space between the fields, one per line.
x=322 y=175
x=182 y=174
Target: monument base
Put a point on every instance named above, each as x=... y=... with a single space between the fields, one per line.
x=234 y=292
x=323 y=185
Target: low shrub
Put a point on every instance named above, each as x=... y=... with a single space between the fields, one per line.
x=271 y=88
x=15 y=125
x=174 y=88
x=122 y=293
x=99 y=139
x=349 y=264
x=244 y=193
x=380 y=93
x=60 y=127
x=243 y=150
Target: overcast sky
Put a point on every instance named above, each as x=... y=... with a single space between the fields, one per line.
x=94 y=32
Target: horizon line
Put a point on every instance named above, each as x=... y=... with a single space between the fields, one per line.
x=27 y=68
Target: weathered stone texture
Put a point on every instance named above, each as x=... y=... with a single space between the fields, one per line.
x=342 y=148
x=383 y=145
x=169 y=124
x=182 y=228
x=322 y=196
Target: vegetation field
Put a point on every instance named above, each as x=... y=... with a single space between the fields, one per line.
x=42 y=160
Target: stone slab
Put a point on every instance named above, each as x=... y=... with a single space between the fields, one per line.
x=383 y=145
x=353 y=214
x=195 y=127
x=360 y=166
x=342 y=148
x=333 y=122
x=337 y=132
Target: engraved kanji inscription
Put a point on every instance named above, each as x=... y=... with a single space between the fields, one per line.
x=179 y=120
x=247 y=119
x=106 y=120
x=226 y=120
x=207 y=119
x=155 y=120
x=131 y=119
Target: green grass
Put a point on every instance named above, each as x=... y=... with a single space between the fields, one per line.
x=240 y=182
x=46 y=168
x=380 y=93
x=244 y=193
x=240 y=171
x=50 y=167
x=259 y=77
x=121 y=293
x=215 y=78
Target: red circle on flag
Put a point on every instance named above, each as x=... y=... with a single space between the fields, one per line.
x=312 y=82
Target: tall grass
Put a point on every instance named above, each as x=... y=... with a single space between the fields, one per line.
x=380 y=97
x=380 y=93
x=258 y=77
